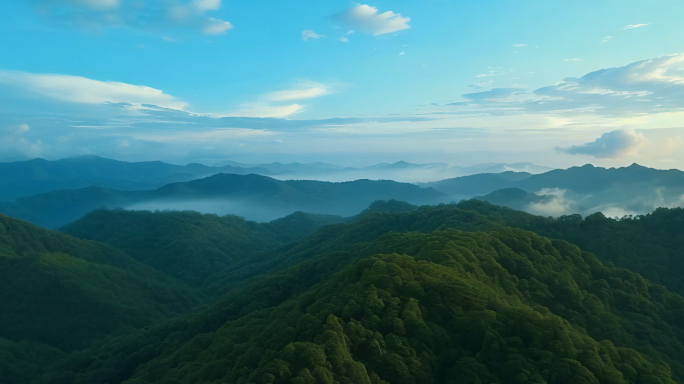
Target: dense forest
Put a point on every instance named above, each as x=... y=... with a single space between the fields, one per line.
x=455 y=293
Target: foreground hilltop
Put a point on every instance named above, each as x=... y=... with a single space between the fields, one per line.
x=399 y=294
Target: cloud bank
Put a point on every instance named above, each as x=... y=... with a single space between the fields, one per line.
x=369 y=20
x=609 y=145
x=494 y=94
x=647 y=86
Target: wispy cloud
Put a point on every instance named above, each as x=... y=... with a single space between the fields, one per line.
x=573 y=59
x=633 y=26
x=494 y=94
x=648 y=86
x=95 y=15
x=214 y=26
x=344 y=37
x=311 y=35
x=83 y=90
x=266 y=110
x=369 y=20
x=495 y=71
x=304 y=90
x=607 y=39
x=520 y=45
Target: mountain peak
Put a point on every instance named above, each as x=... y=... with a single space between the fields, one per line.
x=636 y=166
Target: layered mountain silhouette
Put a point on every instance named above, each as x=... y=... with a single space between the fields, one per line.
x=584 y=190
x=254 y=197
x=28 y=178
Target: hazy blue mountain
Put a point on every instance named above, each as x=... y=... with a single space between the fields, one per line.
x=254 y=197
x=584 y=190
x=514 y=198
x=27 y=178
x=398 y=171
x=480 y=184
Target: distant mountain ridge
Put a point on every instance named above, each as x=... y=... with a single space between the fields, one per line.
x=27 y=178
x=587 y=189
x=253 y=196
x=584 y=179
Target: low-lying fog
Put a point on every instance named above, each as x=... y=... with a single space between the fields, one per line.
x=614 y=202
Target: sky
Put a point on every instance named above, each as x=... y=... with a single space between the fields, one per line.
x=460 y=82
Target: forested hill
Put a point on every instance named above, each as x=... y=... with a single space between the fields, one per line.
x=445 y=307
x=399 y=294
x=652 y=244
x=191 y=246
x=59 y=294
x=252 y=196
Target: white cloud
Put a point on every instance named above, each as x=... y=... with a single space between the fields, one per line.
x=607 y=39
x=344 y=37
x=21 y=128
x=305 y=90
x=206 y=5
x=92 y=4
x=158 y=15
x=402 y=53
x=632 y=26
x=496 y=71
x=555 y=204
x=14 y=143
x=644 y=87
x=520 y=45
x=494 y=94
x=214 y=26
x=211 y=136
x=369 y=20
x=266 y=110
x=83 y=90
x=610 y=145
x=573 y=59
x=309 y=35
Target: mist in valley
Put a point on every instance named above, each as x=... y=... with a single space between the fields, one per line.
x=614 y=202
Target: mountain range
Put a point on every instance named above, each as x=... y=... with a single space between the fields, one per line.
x=28 y=178
x=584 y=190
x=252 y=196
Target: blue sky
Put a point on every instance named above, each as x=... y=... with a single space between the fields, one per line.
x=556 y=83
